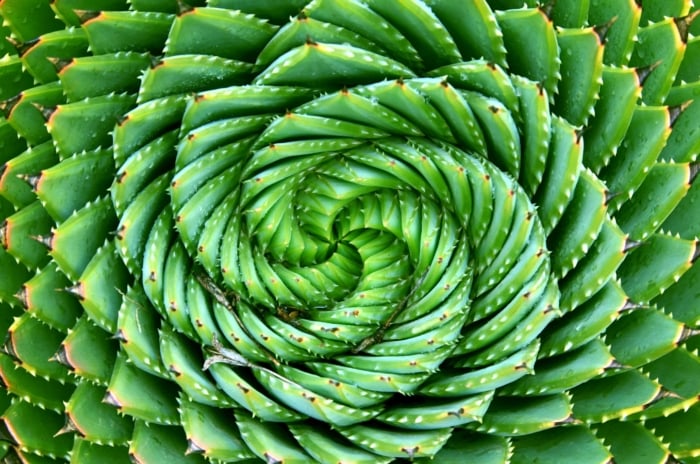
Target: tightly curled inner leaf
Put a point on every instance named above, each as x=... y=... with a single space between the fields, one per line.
x=341 y=230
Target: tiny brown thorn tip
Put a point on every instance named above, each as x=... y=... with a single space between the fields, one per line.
x=548 y=8
x=183 y=8
x=86 y=15
x=311 y=42
x=46 y=111
x=76 y=290
x=659 y=396
x=6 y=106
x=696 y=254
x=60 y=63
x=112 y=400
x=569 y=420
x=520 y=366
x=644 y=71
x=8 y=347
x=674 y=112
x=683 y=24
x=119 y=336
x=193 y=447
x=173 y=370
x=32 y=180
x=120 y=177
x=631 y=245
x=22 y=47
x=609 y=196
x=43 y=239
x=671 y=459
x=61 y=357
x=21 y=295
x=120 y=232
x=156 y=61
x=411 y=451
x=602 y=30
x=614 y=365
x=270 y=459
x=302 y=16
x=3 y=234
x=687 y=333
x=69 y=427
x=632 y=306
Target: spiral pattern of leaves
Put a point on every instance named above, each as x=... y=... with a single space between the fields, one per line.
x=350 y=231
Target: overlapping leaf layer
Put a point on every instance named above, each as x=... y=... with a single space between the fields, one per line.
x=350 y=231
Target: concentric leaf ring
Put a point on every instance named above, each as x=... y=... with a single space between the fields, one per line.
x=366 y=232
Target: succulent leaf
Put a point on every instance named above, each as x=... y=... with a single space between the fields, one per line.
x=349 y=231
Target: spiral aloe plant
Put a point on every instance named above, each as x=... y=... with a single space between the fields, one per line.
x=351 y=231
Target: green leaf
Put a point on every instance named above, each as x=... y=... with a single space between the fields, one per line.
x=642 y=336
x=33 y=429
x=94 y=420
x=36 y=358
x=153 y=443
x=330 y=66
x=92 y=76
x=91 y=453
x=47 y=394
x=226 y=33
x=61 y=44
x=136 y=31
x=87 y=124
x=45 y=298
x=75 y=241
x=631 y=442
x=101 y=286
x=62 y=188
x=613 y=397
x=88 y=351
x=650 y=269
x=576 y=443
x=531 y=44
x=191 y=73
x=679 y=430
x=212 y=432
x=516 y=416
x=23 y=235
x=143 y=396
x=613 y=115
x=13 y=186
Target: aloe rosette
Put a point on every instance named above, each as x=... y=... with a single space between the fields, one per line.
x=345 y=231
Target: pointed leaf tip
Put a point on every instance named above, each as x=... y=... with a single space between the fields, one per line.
x=602 y=30
x=683 y=24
